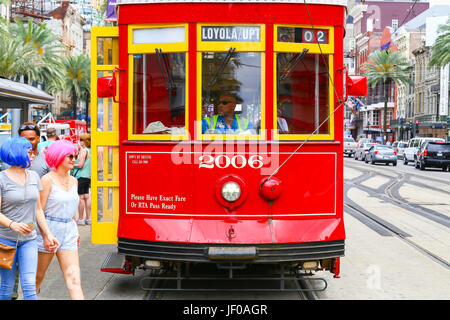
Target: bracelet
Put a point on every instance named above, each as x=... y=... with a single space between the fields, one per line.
x=10 y=224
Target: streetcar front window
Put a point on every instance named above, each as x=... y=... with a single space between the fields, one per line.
x=159 y=93
x=231 y=92
x=302 y=93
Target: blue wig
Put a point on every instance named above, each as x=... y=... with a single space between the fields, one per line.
x=15 y=152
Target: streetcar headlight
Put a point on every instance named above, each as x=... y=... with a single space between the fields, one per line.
x=231 y=191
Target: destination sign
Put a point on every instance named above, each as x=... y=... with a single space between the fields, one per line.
x=231 y=34
x=302 y=35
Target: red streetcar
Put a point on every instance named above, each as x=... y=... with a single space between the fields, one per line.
x=220 y=140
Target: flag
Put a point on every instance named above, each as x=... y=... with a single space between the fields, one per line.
x=110 y=13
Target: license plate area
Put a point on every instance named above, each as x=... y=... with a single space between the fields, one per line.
x=232 y=253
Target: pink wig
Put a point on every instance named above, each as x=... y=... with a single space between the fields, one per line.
x=57 y=151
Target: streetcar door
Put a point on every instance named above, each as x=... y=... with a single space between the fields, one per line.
x=104 y=139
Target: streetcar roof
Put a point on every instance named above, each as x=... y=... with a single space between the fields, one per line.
x=331 y=2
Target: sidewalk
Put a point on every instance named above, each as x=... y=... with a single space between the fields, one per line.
x=96 y=285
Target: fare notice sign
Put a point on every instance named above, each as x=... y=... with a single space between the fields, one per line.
x=231 y=33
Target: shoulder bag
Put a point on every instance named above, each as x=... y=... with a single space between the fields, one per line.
x=7 y=254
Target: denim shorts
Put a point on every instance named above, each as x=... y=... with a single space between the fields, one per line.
x=65 y=230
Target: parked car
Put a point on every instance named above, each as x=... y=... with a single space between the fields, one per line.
x=349 y=146
x=399 y=147
x=433 y=154
x=361 y=151
x=381 y=153
x=410 y=153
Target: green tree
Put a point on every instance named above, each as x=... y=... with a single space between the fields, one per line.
x=46 y=62
x=441 y=48
x=386 y=67
x=14 y=55
x=77 y=76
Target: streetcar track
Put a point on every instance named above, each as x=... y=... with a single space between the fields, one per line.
x=421 y=249
x=389 y=191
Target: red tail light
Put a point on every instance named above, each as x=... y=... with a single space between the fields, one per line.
x=395 y=153
x=376 y=152
x=425 y=152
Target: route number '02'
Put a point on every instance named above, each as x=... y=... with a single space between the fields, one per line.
x=223 y=161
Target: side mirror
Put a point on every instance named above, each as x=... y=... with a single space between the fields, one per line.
x=106 y=87
x=356 y=85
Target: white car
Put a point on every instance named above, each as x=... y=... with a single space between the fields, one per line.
x=363 y=150
x=414 y=144
x=399 y=147
x=349 y=146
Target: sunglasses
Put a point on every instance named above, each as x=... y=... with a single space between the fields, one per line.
x=27 y=127
x=72 y=157
x=225 y=102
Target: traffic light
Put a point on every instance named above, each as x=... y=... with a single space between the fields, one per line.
x=410 y=126
x=417 y=126
x=448 y=128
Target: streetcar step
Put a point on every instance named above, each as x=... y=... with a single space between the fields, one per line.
x=115 y=263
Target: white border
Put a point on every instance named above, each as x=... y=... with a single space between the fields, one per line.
x=231 y=215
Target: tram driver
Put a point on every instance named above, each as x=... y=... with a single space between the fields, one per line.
x=227 y=121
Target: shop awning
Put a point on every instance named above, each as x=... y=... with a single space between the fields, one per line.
x=15 y=94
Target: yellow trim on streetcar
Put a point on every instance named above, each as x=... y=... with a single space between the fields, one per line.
x=151 y=47
x=105 y=231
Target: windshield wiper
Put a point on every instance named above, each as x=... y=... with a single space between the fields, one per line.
x=292 y=63
x=164 y=66
x=222 y=66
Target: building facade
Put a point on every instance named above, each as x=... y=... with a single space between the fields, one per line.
x=370 y=18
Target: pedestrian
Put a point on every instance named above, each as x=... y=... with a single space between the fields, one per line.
x=59 y=198
x=21 y=211
x=82 y=171
x=52 y=136
x=32 y=133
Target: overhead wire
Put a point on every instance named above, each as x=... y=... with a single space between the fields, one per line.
x=341 y=102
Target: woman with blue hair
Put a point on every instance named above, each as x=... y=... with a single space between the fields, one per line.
x=20 y=212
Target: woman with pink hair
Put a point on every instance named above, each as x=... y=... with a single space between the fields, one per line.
x=59 y=198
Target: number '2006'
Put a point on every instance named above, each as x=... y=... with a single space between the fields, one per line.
x=224 y=161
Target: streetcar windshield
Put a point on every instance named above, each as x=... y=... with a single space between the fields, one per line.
x=231 y=92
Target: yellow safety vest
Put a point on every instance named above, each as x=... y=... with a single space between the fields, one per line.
x=216 y=116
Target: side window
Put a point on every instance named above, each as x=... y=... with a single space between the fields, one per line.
x=159 y=83
x=302 y=93
x=158 y=74
x=303 y=83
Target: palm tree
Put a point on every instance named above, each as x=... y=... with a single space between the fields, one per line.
x=46 y=63
x=384 y=67
x=77 y=79
x=14 y=55
x=441 y=48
